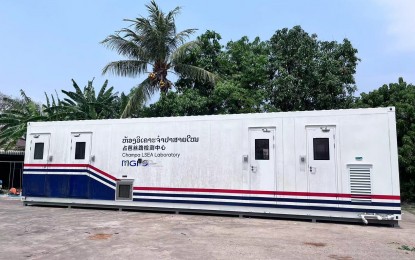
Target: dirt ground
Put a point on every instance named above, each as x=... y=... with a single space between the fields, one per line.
x=60 y=233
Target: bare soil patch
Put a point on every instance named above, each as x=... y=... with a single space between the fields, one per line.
x=100 y=236
x=337 y=257
x=62 y=233
x=315 y=244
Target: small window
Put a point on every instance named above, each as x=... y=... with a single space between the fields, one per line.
x=321 y=148
x=261 y=149
x=80 y=150
x=38 y=153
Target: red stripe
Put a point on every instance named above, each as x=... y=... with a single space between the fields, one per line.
x=73 y=165
x=56 y=165
x=202 y=190
x=103 y=173
x=287 y=193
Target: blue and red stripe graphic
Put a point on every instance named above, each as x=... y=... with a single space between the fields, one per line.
x=101 y=185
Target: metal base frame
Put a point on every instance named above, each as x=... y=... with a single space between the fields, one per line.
x=313 y=219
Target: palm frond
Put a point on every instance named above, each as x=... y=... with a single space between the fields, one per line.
x=128 y=48
x=181 y=53
x=67 y=101
x=180 y=38
x=47 y=100
x=77 y=88
x=138 y=98
x=102 y=90
x=26 y=99
x=126 y=68
x=6 y=121
x=53 y=101
x=57 y=97
x=76 y=97
x=196 y=73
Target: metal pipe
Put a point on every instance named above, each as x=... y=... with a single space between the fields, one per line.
x=10 y=171
x=14 y=169
x=21 y=179
x=378 y=217
x=363 y=219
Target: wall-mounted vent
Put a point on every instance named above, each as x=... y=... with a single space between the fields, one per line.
x=360 y=183
x=124 y=190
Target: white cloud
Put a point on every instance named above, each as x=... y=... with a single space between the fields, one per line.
x=400 y=16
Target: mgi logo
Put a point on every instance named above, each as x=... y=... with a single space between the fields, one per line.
x=134 y=163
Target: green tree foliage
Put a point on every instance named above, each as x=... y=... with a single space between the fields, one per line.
x=308 y=74
x=77 y=105
x=209 y=56
x=226 y=98
x=246 y=70
x=86 y=104
x=242 y=66
x=13 y=120
x=53 y=108
x=402 y=96
x=4 y=102
x=153 y=41
x=230 y=97
x=292 y=71
x=188 y=103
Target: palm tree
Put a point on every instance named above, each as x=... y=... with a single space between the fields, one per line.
x=154 y=42
x=13 y=121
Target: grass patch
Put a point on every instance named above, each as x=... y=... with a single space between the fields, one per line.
x=410 y=207
x=407 y=248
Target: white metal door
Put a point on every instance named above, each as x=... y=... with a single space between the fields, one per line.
x=81 y=148
x=262 y=159
x=39 y=149
x=34 y=182
x=321 y=157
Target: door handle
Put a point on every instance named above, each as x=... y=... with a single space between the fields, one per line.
x=311 y=169
x=253 y=168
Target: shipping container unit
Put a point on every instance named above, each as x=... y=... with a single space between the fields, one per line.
x=335 y=164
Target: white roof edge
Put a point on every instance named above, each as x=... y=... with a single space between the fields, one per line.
x=354 y=111
x=11 y=152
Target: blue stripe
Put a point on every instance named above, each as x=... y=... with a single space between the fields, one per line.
x=72 y=170
x=226 y=197
x=66 y=186
x=222 y=197
x=101 y=178
x=381 y=211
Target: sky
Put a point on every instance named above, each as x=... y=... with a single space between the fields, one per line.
x=46 y=43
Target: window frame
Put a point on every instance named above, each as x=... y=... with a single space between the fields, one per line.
x=35 y=149
x=80 y=152
x=321 y=154
x=259 y=149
